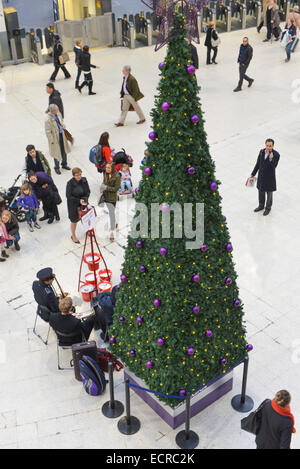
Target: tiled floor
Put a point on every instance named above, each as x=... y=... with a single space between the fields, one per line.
x=41 y=407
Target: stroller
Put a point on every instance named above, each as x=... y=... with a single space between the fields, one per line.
x=9 y=200
x=119 y=159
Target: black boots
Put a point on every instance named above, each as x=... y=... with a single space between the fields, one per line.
x=4 y=254
x=90 y=88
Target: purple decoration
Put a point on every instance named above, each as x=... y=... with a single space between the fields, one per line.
x=156 y=302
x=236 y=303
x=132 y=353
x=191 y=170
x=249 y=347
x=196 y=309
x=203 y=247
x=121 y=318
x=182 y=392
x=223 y=361
x=148 y=171
x=196 y=278
x=229 y=247
x=123 y=278
x=136 y=190
x=112 y=340
x=139 y=320
x=224 y=218
x=208 y=333
x=163 y=251
x=213 y=186
x=165 y=207
x=228 y=281
x=191 y=351
x=139 y=244
x=195 y=119
x=191 y=69
x=161 y=65
x=152 y=135
x=165 y=106
x=142 y=268
x=118 y=287
x=149 y=364
x=160 y=341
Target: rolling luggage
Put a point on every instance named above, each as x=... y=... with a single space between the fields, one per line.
x=79 y=350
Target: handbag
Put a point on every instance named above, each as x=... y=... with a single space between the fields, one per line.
x=131 y=108
x=63 y=58
x=250 y=181
x=101 y=200
x=215 y=42
x=104 y=357
x=69 y=136
x=252 y=422
x=57 y=197
x=287 y=38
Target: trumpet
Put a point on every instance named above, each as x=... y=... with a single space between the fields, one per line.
x=62 y=293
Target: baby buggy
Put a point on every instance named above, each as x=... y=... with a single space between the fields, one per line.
x=119 y=159
x=8 y=200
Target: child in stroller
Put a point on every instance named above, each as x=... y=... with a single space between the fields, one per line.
x=9 y=200
x=126 y=183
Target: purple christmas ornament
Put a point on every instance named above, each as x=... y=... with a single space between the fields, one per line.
x=163 y=251
x=190 y=351
x=160 y=341
x=224 y=218
x=139 y=320
x=196 y=278
x=182 y=392
x=229 y=247
x=136 y=190
x=165 y=106
x=191 y=170
x=142 y=268
x=228 y=281
x=195 y=119
x=191 y=69
x=196 y=309
x=213 y=186
x=148 y=171
x=203 y=247
x=132 y=353
x=156 y=302
x=208 y=333
x=152 y=135
x=161 y=65
x=118 y=287
x=236 y=303
x=139 y=244
x=149 y=364
x=249 y=347
x=223 y=361
x=123 y=278
x=112 y=340
x=121 y=318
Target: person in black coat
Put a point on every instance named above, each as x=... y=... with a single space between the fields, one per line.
x=211 y=33
x=266 y=164
x=84 y=63
x=277 y=423
x=244 y=59
x=35 y=161
x=66 y=323
x=46 y=191
x=193 y=54
x=77 y=193
x=44 y=294
x=57 y=52
x=54 y=98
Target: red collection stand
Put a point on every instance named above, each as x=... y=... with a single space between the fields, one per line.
x=92 y=257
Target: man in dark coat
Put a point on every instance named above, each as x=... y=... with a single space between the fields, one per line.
x=54 y=98
x=130 y=94
x=244 y=59
x=57 y=52
x=266 y=164
x=194 y=54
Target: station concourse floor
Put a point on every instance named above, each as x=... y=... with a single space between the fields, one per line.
x=41 y=407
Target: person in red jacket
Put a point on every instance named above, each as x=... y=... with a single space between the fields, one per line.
x=107 y=152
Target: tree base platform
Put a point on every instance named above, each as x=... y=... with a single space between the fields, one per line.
x=175 y=416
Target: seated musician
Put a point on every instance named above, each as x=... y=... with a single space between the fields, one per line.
x=44 y=294
x=66 y=323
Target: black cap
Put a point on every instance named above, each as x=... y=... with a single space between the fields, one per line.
x=45 y=274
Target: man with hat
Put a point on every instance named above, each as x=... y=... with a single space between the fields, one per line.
x=44 y=294
x=57 y=52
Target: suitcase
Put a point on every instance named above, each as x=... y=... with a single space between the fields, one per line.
x=79 y=350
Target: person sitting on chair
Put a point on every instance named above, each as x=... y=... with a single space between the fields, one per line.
x=44 y=294
x=65 y=323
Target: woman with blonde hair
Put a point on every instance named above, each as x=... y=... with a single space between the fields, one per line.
x=11 y=225
x=211 y=37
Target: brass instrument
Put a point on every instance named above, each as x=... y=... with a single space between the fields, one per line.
x=62 y=293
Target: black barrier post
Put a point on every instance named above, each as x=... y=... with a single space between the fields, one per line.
x=128 y=425
x=112 y=409
x=242 y=402
x=187 y=439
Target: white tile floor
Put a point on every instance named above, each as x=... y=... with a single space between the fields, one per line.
x=41 y=407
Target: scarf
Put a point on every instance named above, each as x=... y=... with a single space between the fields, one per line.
x=3 y=231
x=284 y=411
x=58 y=123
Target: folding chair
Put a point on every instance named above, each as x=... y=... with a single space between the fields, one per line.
x=60 y=336
x=40 y=309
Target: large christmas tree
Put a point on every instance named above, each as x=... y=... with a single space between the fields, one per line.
x=178 y=320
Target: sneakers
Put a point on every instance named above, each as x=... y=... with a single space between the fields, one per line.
x=36 y=225
x=30 y=227
x=4 y=254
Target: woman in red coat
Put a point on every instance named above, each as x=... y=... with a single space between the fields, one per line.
x=106 y=150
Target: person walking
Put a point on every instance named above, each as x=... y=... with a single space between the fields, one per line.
x=244 y=59
x=272 y=21
x=130 y=95
x=77 y=51
x=57 y=52
x=54 y=98
x=289 y=35
x=58 y=144
x=77 y=194
x=35 y=161
x=266 y=164
x=193 y=53
x=277 y=423
x=85 y=65
x=210 y=39
x=110 y=186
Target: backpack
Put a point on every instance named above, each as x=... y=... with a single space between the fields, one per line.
x=92 y=376
x=96 y=157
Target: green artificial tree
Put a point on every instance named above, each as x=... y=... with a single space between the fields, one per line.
x=178 y=320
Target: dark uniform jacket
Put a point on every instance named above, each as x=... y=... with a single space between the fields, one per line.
x=245 y=54
x=68 y=324
x=55 y=98
x=266 y=181
x=44 y=296
x=132 y=88
x=275 y=430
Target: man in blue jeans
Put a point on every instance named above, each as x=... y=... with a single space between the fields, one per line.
x=244 y=59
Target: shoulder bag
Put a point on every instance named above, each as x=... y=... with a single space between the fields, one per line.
x=252 y=422
x=215 y=42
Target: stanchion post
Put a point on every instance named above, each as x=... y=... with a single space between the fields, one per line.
x=128 y=425
x=187 y=439
x=242 y=402
x=112 y=409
